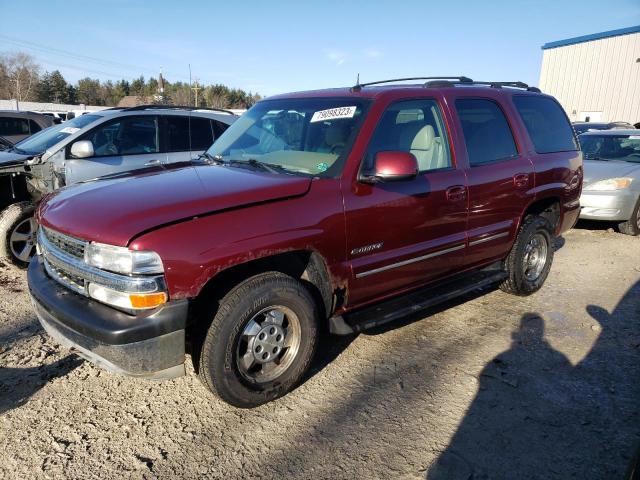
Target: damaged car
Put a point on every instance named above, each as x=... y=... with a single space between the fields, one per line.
x=91 y=146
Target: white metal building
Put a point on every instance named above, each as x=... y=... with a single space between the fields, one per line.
x=595 y=77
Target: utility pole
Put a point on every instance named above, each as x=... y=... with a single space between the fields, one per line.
x=196 y=89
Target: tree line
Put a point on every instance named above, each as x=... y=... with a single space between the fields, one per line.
x=23 y=79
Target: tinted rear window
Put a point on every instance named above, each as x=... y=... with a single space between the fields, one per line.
x=177 y=134
x=201 y=134
x=546 y=122
x=486 y=131
x=14 y=126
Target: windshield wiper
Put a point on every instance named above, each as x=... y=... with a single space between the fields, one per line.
x=267 y=167
x=211 y=159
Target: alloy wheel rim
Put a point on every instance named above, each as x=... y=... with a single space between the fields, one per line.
x=268 y=344
x=22 y=239
x=535 y=256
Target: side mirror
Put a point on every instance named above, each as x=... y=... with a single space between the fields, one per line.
x=82 y=149
x=391 y=167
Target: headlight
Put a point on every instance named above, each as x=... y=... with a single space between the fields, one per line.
x=122 y=260
x=610 y=184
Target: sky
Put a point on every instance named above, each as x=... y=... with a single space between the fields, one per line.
x=272 y=47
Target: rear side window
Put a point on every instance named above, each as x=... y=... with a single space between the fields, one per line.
x=34 y=126
x=177 y=134
x=486 y=131
x=546 y=122
x=201 y=134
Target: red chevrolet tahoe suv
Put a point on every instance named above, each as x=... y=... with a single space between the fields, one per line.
x=344 y=208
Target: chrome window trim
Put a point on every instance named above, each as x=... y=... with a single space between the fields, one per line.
x=488 y=239
x=78 y=268
x=410 y=261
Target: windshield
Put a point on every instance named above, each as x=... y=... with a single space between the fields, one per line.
x=302 y=136
x=41 y=141
x=611 y=147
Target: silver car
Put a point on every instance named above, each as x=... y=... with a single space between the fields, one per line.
x=611 y=188
x=92 y=146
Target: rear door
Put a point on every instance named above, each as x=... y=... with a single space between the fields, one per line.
x=122 y=144
x=186 y=137
x=202 y=135
x=499 y=174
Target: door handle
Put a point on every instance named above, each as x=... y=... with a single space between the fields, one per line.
x=152 y=163
x=456 y=193
x=521 y=180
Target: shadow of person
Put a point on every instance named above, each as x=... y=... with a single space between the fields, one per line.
x=537 y=416
x=522 y=400
x=17 y=385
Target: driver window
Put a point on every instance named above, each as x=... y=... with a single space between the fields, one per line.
x=127 y=136
x=413 y=126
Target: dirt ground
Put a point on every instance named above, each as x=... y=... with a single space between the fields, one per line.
x=490 y=387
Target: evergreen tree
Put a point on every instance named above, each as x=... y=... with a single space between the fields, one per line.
x=58 y=92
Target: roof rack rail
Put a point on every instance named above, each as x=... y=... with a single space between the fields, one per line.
x=440 y=82
x=516 y=84
x=175 y=107
x=461 y=79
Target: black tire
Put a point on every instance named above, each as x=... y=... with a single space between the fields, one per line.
x=219 y=359
x=632 y=226
x=517 y=282
x=11 y=218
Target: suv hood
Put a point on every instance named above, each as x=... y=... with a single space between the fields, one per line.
x=595 y=170
x=116 y=209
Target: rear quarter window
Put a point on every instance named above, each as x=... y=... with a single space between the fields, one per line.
x=546 y=123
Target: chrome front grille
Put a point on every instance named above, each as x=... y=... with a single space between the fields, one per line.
x=64 y=264
x=72 y=282
x=55 y=245
x=72 y=246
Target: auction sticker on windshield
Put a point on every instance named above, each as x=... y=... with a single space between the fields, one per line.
x=333 y=113
x=69 y=130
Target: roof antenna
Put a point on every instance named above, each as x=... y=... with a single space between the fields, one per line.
x=357 y=87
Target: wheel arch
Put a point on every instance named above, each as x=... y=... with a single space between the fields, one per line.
x=548 y=207
x=308 y=266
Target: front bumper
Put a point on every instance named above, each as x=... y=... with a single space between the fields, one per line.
x=608 y=205
x=148 y=345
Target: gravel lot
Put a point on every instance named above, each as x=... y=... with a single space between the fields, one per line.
x=491 y=388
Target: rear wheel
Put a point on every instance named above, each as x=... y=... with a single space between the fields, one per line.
x=18 y=233
x=530 y=259
x=261 y=340
x=632 y=226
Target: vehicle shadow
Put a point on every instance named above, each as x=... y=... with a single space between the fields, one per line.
x=17 y=385
x=537 y=416
x=595 y=225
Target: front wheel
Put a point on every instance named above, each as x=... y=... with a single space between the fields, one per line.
x=261 y=340
x=632 y=226
x=17 y=233
x=530 y=259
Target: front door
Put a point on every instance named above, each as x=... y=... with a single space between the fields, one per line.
x=123 y=144
x=406 y=233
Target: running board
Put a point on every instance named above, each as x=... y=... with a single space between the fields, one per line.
x=405 y=305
